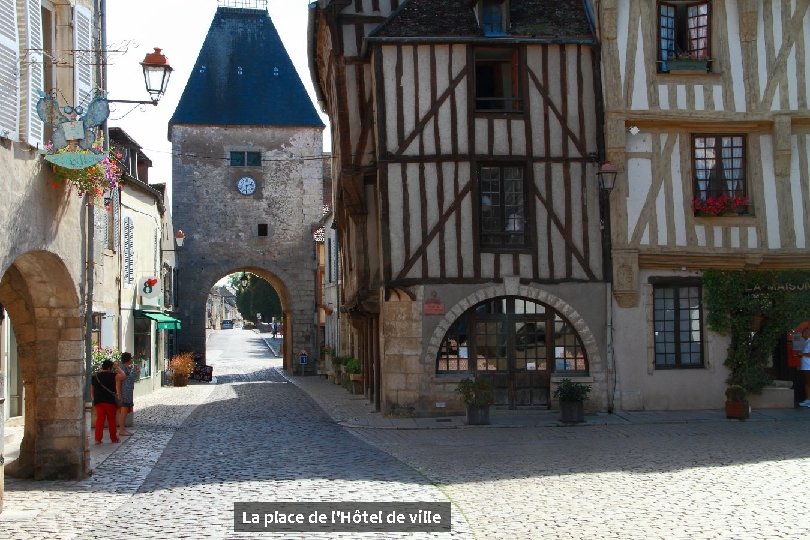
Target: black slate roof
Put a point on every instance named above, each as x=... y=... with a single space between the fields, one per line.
x=538 y=19
x=244 y=76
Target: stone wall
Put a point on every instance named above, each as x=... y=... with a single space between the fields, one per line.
x=222 y=225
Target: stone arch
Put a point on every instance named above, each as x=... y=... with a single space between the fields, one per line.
x=295 y=308
x=514 y=288
x=40 y=297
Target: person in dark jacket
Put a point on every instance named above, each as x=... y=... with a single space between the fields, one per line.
x=102 y=391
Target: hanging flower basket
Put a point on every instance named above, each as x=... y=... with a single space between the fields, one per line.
x=93 y=180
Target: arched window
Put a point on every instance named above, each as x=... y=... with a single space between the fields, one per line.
x=512 y=335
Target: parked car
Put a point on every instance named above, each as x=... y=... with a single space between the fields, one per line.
x=226 y=324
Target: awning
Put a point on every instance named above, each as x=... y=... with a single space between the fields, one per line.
x=164 y=322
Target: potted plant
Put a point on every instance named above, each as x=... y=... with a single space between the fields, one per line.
x=182 y=366
x=337 y=367
x=352 y=369
x=572 y=397
x=478 y=396
x=736 y=404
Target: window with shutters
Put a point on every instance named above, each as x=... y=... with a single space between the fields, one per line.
x=31 y=73
x=128 y=264
x=83 y=59
x=684 y=36
x=9 y=71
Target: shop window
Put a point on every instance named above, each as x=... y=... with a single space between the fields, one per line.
x=142 y=357
x=678 y=325
x=684 y=36
x=502 y=207
x=719 y=164
x=512 y=335
x=246 y=159
x=497 y=80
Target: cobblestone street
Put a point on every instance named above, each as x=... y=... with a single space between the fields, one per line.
x=255 y=437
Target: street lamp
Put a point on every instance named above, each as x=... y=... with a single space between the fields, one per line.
x=156 y=74
x=607 y=176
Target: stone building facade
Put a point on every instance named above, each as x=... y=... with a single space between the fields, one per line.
x=247 y=176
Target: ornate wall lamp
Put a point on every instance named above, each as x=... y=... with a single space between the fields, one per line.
x=179 y=238
x=156 y=74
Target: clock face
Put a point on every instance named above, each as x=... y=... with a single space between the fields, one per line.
x=246 y=185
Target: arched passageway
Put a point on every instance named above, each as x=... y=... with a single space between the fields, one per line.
x=40 y=298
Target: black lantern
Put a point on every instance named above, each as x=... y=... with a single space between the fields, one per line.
x=244 y=280
x=607 y=176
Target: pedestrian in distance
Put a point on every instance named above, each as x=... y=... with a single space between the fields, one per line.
x=102 y=392
x=125 y=387
x=804 y=367
x=275 y=329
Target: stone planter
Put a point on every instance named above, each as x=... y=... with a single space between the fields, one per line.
x=477 y=416
x=179 y=379
x=572 y=412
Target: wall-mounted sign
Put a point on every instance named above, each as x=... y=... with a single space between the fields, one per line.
x=148 y=287
x=75 y=160
x=433 y=305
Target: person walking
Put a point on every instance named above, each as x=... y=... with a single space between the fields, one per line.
x=125 y=387
x=804 y=367
x=102 y=392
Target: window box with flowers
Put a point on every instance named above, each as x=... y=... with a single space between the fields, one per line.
x=722 y=205
x=93 y=180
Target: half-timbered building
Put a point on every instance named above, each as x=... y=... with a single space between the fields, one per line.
x=466 y=141
x=707 y=118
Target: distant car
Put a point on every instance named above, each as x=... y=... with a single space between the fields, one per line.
x=227 y=324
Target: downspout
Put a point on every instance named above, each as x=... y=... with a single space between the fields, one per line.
x=101 y=10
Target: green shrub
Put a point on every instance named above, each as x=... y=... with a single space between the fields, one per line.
x=569 y=390
x=352 y=366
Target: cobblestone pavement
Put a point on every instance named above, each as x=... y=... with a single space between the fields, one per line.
x=256 y=437
x=253 y=437
x=689 y=475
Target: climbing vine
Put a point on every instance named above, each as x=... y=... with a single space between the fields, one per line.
x=755 y=309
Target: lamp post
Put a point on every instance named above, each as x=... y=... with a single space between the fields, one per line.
x=607 y=180
x=156 y=74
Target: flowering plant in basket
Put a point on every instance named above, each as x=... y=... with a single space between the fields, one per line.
x=94 y=180
x=720 y=205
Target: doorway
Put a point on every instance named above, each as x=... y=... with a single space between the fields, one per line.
x=517 y=344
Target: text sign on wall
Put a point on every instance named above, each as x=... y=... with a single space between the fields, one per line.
x=433 y=305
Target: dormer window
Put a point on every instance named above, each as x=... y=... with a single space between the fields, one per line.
x=493 y=17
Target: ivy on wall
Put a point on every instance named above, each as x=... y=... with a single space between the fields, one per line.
x=756 y=309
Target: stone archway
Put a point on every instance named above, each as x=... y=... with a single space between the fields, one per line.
x=297 y=308
x=513 y=287
x=40 y=297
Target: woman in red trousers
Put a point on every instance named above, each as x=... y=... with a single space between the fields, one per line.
x=104 y=399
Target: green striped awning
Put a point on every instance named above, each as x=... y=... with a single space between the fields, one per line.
x=164 y=322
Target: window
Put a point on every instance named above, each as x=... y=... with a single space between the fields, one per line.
x=143 y=346
x=502 y=206
x=719 y=173
x=246 y=159
x=514 y=335
x=684 y=31
x=96 y=330
x=497 y=83
x=263 y=229
x=678 y=325
x=493 y=17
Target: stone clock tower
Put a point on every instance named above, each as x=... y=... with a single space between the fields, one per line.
x=247 y=175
